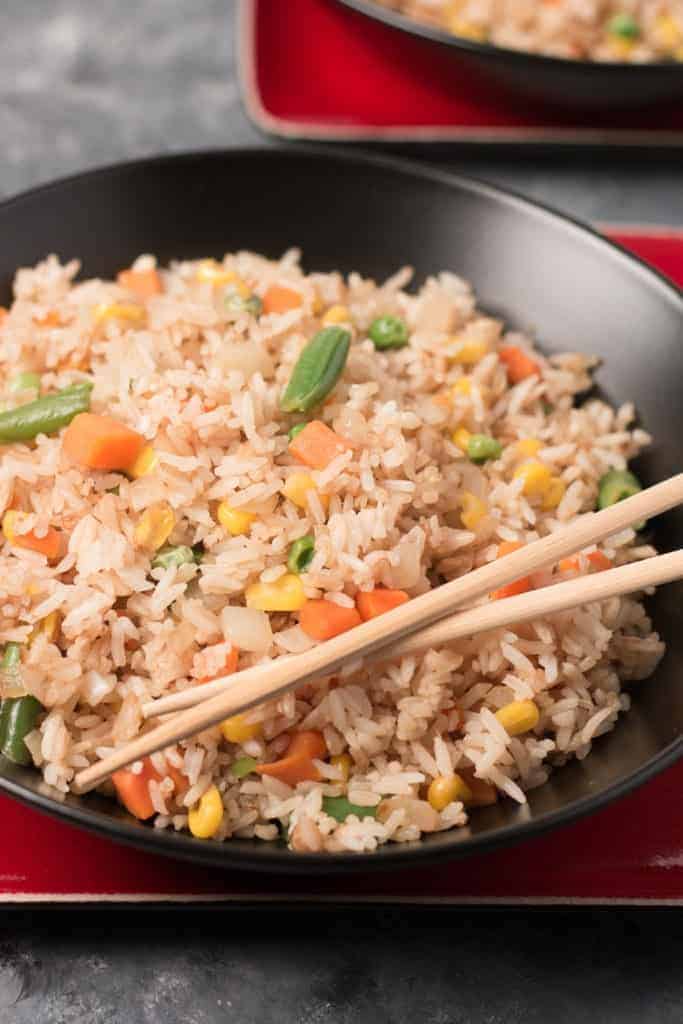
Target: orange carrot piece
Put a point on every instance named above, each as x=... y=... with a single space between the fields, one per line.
x=378 y=601
x=518 y=364
x=279 y=299
x=100 y=442
x=321 y=619
x=598 y=560
x=142 y=283
x=51 y=319
x=297 y=764
x=519 y=586
x=133 y=791
x=316 y=445
x=3 y=313
x=49 y=545
x=228 y=668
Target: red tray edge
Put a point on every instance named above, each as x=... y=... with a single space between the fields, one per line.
x=294 y=130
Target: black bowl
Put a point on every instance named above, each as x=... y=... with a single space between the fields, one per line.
x=529 y=265
x=577 y=83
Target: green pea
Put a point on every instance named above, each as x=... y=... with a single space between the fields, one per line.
x=317 y=370
x=624 y=26
x=339 y=808
x=301 y=554
x=236 y=304
x=388 y=332
x=296 y=429
x=243 y=766
x=616 y=485
x=25 y=382
x=481 y=448
x=173 y=556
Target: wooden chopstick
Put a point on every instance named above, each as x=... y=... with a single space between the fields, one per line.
x=626 y=579
x=254 y=686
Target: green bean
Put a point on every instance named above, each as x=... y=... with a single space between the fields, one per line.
x=616 y=485
x=11 y=657
x=25 y=381
x=481 y=448
x=243 y=766
x=46 y=415
x=318 y=369
x=173 y=556
x=388 y=332
x=339 y=808
x=296 y=429
x=18 y=717
x=301 y=554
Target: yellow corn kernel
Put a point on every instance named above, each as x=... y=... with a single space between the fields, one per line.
x=235 y=520
x=528 y=447
x=468 y=352
x=467 y=29
x=238 y=730
x=518 y=717
x=211 y=272
x=298 y=485
x=155 y=526
x=447 y=788
x=536 y=477
x=145 y=463
x=554 y=493
x=678 y=53
x=118 y=311
x=343 y=762
x=473 y=510
x=621 y=48
x=462 y=387
x=284 y=595
x=9 y=523
x=205 y=817
x=49 y=627
x=336 y=315
x=461 y=438
x=668 y=32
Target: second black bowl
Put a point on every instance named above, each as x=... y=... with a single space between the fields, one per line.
x=575 y=83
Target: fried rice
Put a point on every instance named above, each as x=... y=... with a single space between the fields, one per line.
x=201 y=378
x=637 y=31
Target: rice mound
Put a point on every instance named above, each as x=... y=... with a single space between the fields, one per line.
x=202 y=384
x=570 y=29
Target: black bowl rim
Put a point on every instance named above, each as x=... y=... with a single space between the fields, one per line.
x=436 y=35
x=269 y=858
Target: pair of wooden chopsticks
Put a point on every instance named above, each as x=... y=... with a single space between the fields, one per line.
x=422 y=622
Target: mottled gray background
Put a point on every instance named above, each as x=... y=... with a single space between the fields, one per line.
x=85 y=82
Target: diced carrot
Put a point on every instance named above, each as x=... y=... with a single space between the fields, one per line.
x=519 y=586
x=518 y=364
x=597 y=559
x=279 y=299
x=133 y=790
x=297 y=764
x=142 y=283
x=51 y=319
x=3 y=313
x=375 y=602
x=50 y=544
x=228 y=668
x=316 y=445
x=101 y=442
x=323 y=619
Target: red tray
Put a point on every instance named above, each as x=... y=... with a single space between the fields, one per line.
x=312 y=69
x=629 y=853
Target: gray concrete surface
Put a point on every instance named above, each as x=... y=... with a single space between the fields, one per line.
x=86 y=82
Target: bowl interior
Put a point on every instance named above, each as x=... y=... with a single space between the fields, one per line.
x=537 y=270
